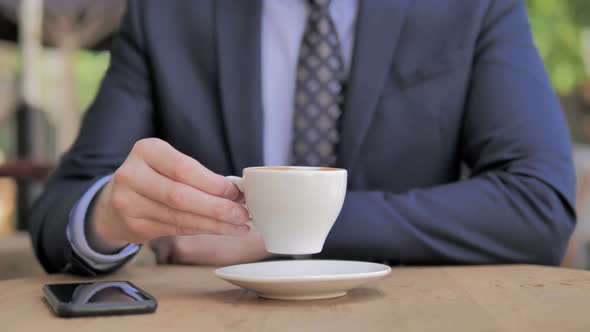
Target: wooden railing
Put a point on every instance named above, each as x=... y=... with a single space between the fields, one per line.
x=32 y=170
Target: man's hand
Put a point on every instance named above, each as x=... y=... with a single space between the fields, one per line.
x=158 y=192
x=209 y=249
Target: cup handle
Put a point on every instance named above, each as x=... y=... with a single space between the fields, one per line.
x=237 y=181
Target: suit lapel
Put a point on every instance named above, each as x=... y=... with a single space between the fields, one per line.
x=238 y=40
x=379 y=24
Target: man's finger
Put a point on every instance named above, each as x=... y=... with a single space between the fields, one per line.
x=150 y=184
x=166 y=160
x=176 y=222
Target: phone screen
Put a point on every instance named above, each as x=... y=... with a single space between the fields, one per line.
x=97 y=292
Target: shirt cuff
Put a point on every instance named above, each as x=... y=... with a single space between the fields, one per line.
x=77 y=236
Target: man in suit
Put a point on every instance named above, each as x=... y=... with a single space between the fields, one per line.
x=400 y=93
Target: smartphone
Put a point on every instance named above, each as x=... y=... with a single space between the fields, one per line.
x=98 y=299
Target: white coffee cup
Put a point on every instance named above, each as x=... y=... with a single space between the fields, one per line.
x=293 y=208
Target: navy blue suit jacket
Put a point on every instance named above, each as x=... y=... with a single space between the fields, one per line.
x=433 y=84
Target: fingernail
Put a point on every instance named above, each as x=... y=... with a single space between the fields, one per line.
x=231 y=192
x=241 y=230
x=238 y=215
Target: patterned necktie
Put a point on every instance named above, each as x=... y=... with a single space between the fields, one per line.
x=319 y=91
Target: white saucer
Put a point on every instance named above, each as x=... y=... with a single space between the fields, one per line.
x=302 y=279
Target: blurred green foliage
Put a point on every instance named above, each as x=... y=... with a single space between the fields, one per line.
x=557 y=28
x=90 y=67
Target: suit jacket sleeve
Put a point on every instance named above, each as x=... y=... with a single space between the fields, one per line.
x=121 y=115
x=517 y=204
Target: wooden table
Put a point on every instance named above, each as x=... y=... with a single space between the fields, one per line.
x=17 y=259
x=493 y=298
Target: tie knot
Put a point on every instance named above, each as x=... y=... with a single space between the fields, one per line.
x=321 y=4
